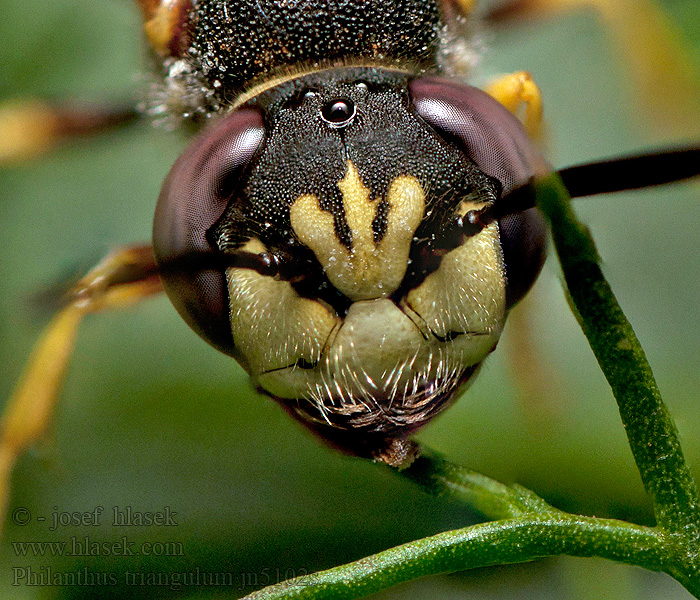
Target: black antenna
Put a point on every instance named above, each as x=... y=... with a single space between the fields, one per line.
x=265 y=263
x=631 y=172
x=589 y=179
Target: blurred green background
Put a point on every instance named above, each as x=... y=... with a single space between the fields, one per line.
x=152 y=417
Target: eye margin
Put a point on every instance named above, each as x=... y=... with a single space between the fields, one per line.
x=198 y=189
x=488 y=134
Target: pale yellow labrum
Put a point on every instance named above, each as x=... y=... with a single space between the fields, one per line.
x=368 y=269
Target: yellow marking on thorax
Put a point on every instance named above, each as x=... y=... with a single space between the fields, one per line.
x=368 y=269
x=160 y=22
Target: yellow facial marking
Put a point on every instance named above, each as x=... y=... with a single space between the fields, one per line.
x=467 y=292
x=273 y=327
x=368 y=269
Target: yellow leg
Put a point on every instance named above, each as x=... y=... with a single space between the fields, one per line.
x=29 y=128
x=537 y=384
x=521 y=96
x=653 y=52
x=123 y=278
x=464 y=8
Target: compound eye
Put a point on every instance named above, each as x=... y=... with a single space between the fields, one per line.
x=338 y=112
x=489 y=135
x=195 y=194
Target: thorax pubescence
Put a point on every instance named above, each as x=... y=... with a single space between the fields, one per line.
x=209 y=52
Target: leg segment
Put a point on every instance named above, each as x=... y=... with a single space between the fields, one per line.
x=653 y=51
x=461 y=8
x=521 y=96
x=124 y=277
x=29 y=128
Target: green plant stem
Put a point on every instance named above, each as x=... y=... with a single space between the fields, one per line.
x=528 y=527
x=493 y=499
x=652 y=435
x=501 y=542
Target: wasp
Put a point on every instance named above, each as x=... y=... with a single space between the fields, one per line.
x=326 y=226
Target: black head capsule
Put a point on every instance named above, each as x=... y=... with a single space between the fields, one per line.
x=376 y=311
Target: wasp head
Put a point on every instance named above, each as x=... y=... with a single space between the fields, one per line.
x=378 y=310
